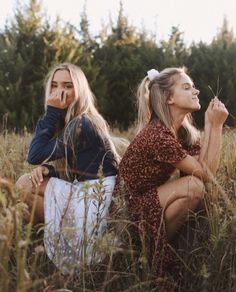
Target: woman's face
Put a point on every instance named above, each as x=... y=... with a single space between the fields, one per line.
x=62 y=83
x=185 y=95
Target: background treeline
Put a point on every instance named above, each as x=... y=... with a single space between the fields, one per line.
x=114 y=62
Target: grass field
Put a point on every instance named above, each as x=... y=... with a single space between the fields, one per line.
x=206 y=245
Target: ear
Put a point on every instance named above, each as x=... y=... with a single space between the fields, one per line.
x=170 y=100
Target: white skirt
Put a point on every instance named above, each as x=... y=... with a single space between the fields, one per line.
x=75 y=217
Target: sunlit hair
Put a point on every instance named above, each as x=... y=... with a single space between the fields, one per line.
x=152 y=103
x=83 y=104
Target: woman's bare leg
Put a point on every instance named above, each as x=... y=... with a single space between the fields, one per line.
x=177 y=198
x=33 y=196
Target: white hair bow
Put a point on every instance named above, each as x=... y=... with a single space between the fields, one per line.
x=152 y=74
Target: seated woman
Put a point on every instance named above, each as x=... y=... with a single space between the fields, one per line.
x=167 y=141
x=73 y=197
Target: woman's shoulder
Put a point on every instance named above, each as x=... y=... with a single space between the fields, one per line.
x=158 y=130
x=87 y=127
x=86 y=123
x=154 y=135
x=81 y=125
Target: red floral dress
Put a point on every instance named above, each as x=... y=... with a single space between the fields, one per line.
x=147 y=164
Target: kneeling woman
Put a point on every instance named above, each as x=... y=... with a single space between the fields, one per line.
x=74 y=208
x=167 y=141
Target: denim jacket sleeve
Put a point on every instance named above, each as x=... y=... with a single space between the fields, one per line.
x=45 y=146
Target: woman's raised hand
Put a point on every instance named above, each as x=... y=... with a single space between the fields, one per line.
x=58 y=98
x=37 y=174
x=216 y=113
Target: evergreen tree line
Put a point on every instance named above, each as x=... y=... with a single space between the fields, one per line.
x=114 y=62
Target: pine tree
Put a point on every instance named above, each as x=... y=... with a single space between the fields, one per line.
x=224 y=37
x=175 y=51
x=119 y=65
x=21 y=63
x=29 y=47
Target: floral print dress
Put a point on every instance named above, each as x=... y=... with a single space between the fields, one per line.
x=147 y=164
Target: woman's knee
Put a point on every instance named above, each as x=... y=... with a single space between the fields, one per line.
x=24 y=182
x=195 y=189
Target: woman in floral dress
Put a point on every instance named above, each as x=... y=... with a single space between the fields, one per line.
x=167 y=141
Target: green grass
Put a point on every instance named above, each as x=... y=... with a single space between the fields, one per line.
x=205 y=246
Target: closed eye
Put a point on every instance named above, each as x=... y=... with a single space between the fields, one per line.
x=187 y=86
x=68 y=85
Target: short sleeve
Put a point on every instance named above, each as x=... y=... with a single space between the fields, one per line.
x=194 y=149
x=166 y=148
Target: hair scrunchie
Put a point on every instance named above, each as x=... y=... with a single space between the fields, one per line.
x=152 y=74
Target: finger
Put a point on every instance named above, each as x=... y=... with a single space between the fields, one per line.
x=221 y=105
x=64 y=97
x=211 y=103
x=50 y=96
x=45 y=171
x=56 y=94
x=224 y=108
x=32 y=178
x=216 y=104
x=53 y=94
x=61 y=95
x=39 y=173
x=39 y=176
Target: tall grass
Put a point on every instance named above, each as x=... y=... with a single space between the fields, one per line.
x=205 y=246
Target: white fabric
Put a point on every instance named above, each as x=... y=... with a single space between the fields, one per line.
x=75 y=217
x=152 y=74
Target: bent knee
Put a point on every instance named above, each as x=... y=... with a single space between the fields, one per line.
x=195 y=188
x=24 y=181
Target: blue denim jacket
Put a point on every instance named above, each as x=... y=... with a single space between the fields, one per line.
x=85 y=158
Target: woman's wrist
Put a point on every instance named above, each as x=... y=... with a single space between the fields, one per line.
x=207 y=127
x=216 y=127
x=213 y=126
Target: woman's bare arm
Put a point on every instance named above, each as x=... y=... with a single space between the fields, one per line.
x=208 y=161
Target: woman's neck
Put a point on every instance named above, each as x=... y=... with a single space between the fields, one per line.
x=177 y=121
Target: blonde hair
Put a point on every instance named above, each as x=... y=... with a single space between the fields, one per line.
x=152 y=103
x=83 y=104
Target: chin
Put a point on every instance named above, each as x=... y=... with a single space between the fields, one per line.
x=195 y=109
x=199 y=107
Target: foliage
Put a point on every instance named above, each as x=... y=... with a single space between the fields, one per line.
x=28 y=48
x=114 y=62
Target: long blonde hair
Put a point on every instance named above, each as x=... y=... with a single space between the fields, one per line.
x=152 y=102
x=83 y=104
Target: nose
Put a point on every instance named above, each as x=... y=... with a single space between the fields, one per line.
x=61 y=87
x=196 y=91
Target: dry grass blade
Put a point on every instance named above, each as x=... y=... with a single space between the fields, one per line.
x=218 y=89
x=207 y=260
